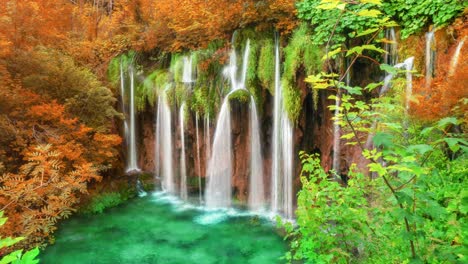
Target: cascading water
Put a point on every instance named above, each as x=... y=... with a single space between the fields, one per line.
x=336 y=135
x=219 y=172
x=256 y=187
x=187 y=75
x=218 y=190
x=122 y=99
x=391 y=48
x=198 y=159
x=456 y=55
x=132 y=155
x=207 y=138
x=163 y=153
x=183 y=168
x=430 y=56
x=282 y=153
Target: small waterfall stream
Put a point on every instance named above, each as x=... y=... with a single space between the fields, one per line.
x=198 y=165
x=282 y=152
x=132 y=157
x=256 y=186
x=183 y=166
x=430 y=57
x=218 y=188
x=456 y=55
x=163 y=153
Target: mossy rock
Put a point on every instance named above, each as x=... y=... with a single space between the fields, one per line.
x=241 y=95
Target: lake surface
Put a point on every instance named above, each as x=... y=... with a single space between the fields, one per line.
x=158 y=229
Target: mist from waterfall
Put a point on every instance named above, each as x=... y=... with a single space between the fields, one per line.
x=282 y=152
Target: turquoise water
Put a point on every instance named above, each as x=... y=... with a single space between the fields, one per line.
x=152 y=230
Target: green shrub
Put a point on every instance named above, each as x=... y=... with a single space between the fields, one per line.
x=103 y=201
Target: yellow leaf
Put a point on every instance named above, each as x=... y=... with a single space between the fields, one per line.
x=369 y=13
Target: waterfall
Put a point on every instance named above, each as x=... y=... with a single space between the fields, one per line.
x=219 y=171
x=391 y=57
x=187 y=75
x=282 y=153
x=183 y=168
x=163 y=152
x=198 y=159
x=122 y=99
x=218 y=191
x=454 y=62
x=256 y=186
x=157 y=140
x=207 y=138
x=408 y=64
x=430 y=55
x=336 y=135
x=132 y=157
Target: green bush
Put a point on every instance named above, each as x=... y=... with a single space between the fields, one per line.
x=103 y=201
x=416 y=15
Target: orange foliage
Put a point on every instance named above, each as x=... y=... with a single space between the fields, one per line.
x=188 y=24
x=448 y=90
x=49 y=157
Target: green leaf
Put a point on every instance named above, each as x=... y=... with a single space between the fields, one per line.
x=447 y=121
x=367 y=32
x=30 y=256
x=377 y=2
x=388 y=68
x=421 y=148
x=383 y=139
x=13 y=256
x=331 y=54
x=8 y=241
x=452 y=143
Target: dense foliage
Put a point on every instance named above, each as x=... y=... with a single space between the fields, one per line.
x=415 y=15
x=17 y=256
x=409 y=202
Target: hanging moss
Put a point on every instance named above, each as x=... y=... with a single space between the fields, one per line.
x=292 y=100
x=266 y=65
x=300 y=51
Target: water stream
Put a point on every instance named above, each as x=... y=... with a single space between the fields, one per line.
x=183 y=166
x=132 y=154
x=282 y=150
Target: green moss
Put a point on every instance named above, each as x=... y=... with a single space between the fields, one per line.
x=300 y=52
x=240 y=95
x=291 y=100
x=266 y=65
